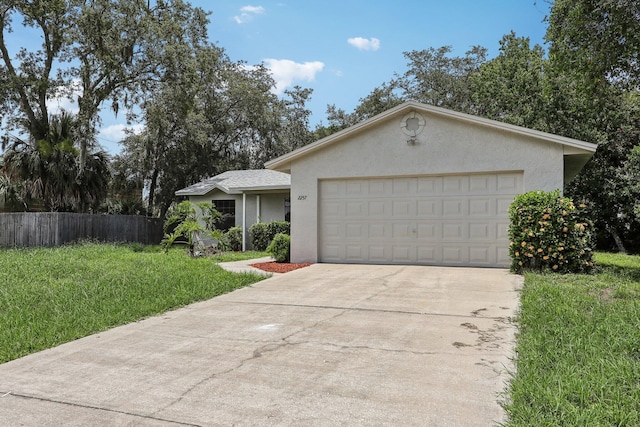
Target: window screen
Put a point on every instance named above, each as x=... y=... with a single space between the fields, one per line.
x=228 y=210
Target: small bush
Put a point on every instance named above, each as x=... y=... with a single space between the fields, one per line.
x=183 y=225
x=547 y=232
x=279 y=227
x=280 y=247
x=231 y=240
x=262 y=233
x=259 y=234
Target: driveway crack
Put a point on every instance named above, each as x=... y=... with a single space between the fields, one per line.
x=257 y=353
x=96 y=408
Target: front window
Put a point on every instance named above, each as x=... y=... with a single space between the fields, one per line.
x=228 y=210
x=287 y=209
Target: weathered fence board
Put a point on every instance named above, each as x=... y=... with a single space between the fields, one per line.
x=25 y=229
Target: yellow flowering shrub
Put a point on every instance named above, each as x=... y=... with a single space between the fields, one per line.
x=549 y=233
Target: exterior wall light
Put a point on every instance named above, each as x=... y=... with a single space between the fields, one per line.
x=412 y=125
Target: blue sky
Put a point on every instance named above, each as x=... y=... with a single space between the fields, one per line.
x=343 y=49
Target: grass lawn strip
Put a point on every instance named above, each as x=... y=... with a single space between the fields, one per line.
x=578 y=348
x=49 y=296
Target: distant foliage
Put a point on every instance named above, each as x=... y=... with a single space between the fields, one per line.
x=549 y=233
x=262 y=233
x=280 y=247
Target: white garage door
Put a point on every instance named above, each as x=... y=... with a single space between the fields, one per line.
x=431 y=220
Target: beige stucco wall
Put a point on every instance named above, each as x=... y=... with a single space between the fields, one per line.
x=445 y=146
x=271 y=207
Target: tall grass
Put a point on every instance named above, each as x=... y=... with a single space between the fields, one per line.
x=578 y=348
x=49 y=296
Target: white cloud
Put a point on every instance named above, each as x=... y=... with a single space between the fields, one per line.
x=117 y=132
x=64 y=99
x=247 y=13
x=365 y=44
x=286 y=72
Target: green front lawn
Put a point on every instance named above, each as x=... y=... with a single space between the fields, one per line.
x=49 y=296
x=578 y=348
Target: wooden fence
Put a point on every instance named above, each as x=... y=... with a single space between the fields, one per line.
x=25 y=229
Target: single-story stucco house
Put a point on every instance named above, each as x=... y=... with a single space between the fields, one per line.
x=245 y=197
x=419 y=184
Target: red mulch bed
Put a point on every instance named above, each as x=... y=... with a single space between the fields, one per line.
x=279 y=267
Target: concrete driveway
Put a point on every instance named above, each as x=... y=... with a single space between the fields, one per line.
x=324 y=345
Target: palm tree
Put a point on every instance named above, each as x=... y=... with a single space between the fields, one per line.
x=45 y=168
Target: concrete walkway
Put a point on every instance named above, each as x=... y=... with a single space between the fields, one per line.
x=324 y=345
x=245 y=266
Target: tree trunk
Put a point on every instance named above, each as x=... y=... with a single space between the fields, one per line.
x=616 y=238
x=152 y=191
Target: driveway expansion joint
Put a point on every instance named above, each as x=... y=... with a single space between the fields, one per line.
x=376 y=310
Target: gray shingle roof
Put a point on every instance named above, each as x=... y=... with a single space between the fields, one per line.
x=236 y=182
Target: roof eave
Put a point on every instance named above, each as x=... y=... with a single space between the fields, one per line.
x=263 y=188
x=200 y=192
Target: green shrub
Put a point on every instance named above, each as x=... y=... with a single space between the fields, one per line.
x=280 y=247
x=262 y=233
x=259 y=234
x=279 y=227
x=547 y=232
x=231 y=240
x=183 y=225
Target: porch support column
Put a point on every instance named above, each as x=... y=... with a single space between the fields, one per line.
x=258 y=208
x=244 y=222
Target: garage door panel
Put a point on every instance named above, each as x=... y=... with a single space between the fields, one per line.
x=434 y=220
x=503 y=204
x=429 y=208
x=331 y=188
x=403 y=187
x=480 y=255
x=379 y=209
x=431 y=231
x=333 y=253
x=482 y=207
x=402 y=253
x=402 y=230
x=509 y=183
x=429 y=185
x=453 y=231
x=482 y=184
x=379 y=187
x=354 y=187
x=502 y=230
x=377 y=231
x=482 y=231
x=332 y=209
x=503 y=256
x=378 y=253
x=429 y=254
x=355 y=231
x=452 y=255
x=455 y=184
x=404 y=208
x=355 y=253
x=356 y=208
x=333 y=231
x=454 y=208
